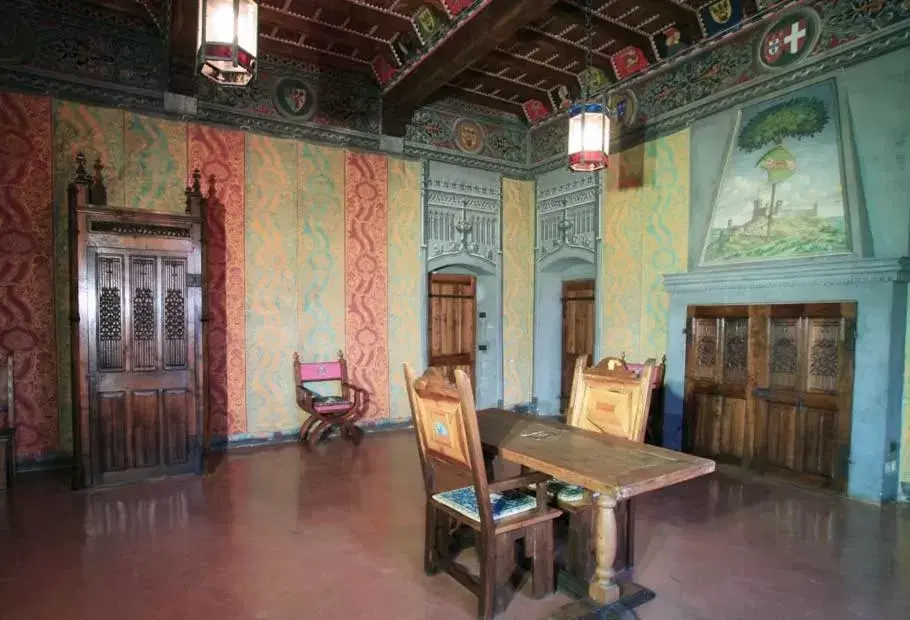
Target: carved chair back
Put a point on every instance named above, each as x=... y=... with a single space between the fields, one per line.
x=611 y=398
x=445 y=419
x=7 y=391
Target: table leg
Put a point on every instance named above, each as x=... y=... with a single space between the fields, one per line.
x=603 y=588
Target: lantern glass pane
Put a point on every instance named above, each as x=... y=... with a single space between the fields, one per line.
x=248 y=26
x=219 y=21
x=575 y=133
x=593 y=134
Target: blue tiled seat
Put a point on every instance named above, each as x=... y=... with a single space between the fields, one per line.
x=563 y=491
x=508 y=504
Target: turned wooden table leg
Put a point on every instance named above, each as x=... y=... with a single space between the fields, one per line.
x=603 y=587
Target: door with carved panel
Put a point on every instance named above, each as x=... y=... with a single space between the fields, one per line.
x=141 y=363
x=577 y=331
x=771 y=387
x=452 y=323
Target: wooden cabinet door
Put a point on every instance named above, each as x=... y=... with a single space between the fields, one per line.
x=577 y=331
x=452 y=323
x=716 y=402
x=141 y=361
x=770 y=387
x=804 y=392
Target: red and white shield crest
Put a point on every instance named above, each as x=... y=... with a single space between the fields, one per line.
x=773 y=47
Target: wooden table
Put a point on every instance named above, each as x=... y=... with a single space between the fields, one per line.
x=615 y=468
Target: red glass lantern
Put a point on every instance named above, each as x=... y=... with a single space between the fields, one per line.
x=589 y=137
x=228 y=40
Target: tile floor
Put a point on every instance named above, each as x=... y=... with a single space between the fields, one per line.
x=282 y=534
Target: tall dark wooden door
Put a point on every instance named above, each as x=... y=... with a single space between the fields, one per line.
x=142 y=370
x=452 y=323
x=770 y=387
x=577 y=331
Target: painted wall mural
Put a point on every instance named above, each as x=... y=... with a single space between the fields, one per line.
x=645 y=235
x=406 y=273
x=27 y=268
x=782 y=193
x=366 y=277
x=270 y=242
x=220 y=154
x=517 y=290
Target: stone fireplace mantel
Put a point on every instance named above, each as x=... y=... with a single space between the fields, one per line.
x=878 y=285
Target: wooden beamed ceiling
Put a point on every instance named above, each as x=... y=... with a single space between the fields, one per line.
x=503 y=54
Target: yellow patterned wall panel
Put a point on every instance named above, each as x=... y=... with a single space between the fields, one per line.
x=320 y=254
x=406 y=272
x=270 y=238
x=155 y=174
x=517 y=290
x=645 y=224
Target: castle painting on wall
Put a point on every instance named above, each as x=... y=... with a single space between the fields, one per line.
x=782 y=190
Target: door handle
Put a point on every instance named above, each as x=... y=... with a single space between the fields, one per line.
x=761 y=392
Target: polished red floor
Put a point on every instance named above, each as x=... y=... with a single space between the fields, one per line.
x=275 y=534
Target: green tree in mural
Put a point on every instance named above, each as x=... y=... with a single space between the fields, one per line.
x=802 y=117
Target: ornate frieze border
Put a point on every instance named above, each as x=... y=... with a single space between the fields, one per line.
x=827 y=271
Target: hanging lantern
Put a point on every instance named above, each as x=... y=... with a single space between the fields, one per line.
x=227 y=41
x=589 y=137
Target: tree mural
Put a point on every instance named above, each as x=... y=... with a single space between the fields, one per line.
x=799 y=118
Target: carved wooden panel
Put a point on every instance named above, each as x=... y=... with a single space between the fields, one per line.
x=112 y=432
x=109 y=275
x=144 y=294
x=823 y=336
x=144 y=428
x=176 y=408
x=704 y=343
x=736 y=349
x=784 y=352
x=175 y=337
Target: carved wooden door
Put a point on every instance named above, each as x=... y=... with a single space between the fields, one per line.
x=142 y=366
x=771 y=387
x=577 y=331
x=452 y=323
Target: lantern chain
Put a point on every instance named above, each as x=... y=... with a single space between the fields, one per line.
x=589 y=54
x=151 y=14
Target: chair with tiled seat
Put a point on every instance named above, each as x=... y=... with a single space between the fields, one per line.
x=609 y=398
x=447 y=438
x=7 y=421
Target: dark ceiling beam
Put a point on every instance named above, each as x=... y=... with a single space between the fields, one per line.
x=272 y=17
x=486 y=30
x=472 y=96
x=685 y=18
x=564 y=50
x=623 y=35
x=289 y=49
x=505 y=85
x=182 y=53
x=366 y=13
x=535 y=70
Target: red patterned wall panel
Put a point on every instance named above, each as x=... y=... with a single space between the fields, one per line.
x=221 y=153
x=27 y=325
x=366 y=269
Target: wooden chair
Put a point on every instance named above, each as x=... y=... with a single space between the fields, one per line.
x=607 y=398
x=7 y=421
x=654 y=426
x=325 y=411
x=498 y=513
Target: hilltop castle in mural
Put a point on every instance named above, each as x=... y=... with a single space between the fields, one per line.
x=782 y=195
